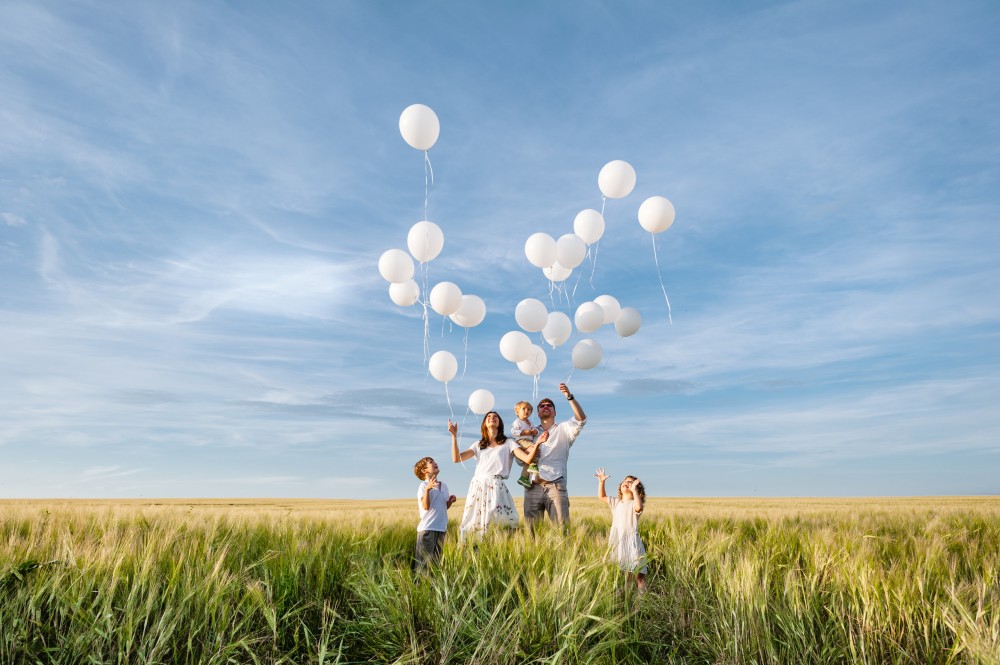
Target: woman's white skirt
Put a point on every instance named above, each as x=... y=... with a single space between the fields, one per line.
x=488 y=503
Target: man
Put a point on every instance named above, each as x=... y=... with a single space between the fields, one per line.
x=548 y=495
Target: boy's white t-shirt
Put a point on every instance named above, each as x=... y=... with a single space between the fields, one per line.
x=494 y=461
x=436 y=517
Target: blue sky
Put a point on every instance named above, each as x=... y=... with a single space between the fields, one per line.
x=194 y=198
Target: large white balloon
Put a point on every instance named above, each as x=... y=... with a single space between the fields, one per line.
x=557 y=273
x=540 y=248
x=535 y=363
x=446 y=298
x=481 y=401
x=425 y=241
x=558 y=329
x=419 y=126
x=610 y=306
x=515 y=346
x=443 y=366
x=404 y=294
x=589 y=317
x=587 y=354
x=589 y=225
x=628 y=322
x=531 y=315
x=471 y=312
x=570 y=250
x=617 y=179
x=656 y=214
x=395 y=266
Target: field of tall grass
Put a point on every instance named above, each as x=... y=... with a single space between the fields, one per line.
x=731 y=581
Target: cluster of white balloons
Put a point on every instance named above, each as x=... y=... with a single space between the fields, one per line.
x=558 y=258
x=424 y=242
x=420 y=128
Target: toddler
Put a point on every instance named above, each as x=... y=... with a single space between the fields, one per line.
x=525 y=433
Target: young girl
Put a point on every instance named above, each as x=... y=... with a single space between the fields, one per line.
x=626 y=546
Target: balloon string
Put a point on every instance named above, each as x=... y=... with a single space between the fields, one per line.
x=597 y=244
x=570 y=375
x=424 y=301
x=448 y=397
x=427 y=335
x=663 y=288
x=534 y=389
x=575 y=286
x=593 y=261
x=465 y=363
x=428 y=180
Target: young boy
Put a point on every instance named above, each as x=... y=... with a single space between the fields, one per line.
x=525 y=433
x=433 y=502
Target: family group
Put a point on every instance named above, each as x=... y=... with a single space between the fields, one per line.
x=543 y=453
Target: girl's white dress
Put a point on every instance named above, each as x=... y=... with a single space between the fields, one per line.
x=626 y=546
x=489 y=501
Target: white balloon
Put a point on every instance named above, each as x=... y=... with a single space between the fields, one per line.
x=471 y=312
x=589 y=225
x=535 y=363
x=558 y=329
x=419 y=126
x=425 y=241
x=446 y=298
x=540 y=249
x=628 y=322
x=570 y=250
x=656 y=214
x=589 y=317
x=531 y=315
x=610 y=306
x=515 y=346
x=443 y=366
x=404 y=294
x=395 y=266
x=587 y=354
x=557 y=273
x=481 y=401
x=617 y=179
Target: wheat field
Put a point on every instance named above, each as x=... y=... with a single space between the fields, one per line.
x=302 y=581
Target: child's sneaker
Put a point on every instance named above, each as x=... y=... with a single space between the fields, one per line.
x=524 y=482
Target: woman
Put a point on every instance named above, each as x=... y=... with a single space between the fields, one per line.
x=489 y=501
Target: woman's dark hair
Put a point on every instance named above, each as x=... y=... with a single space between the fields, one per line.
x=501 y=437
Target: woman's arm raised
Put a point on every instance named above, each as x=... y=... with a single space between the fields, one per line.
x=457 y=456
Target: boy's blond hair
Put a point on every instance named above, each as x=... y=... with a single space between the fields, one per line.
x=418 y=468
x=520 y=404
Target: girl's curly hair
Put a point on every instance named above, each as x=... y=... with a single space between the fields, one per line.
x=640 y=489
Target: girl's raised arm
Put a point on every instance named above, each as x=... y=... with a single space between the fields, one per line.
x=636 y=497
x=601 y=477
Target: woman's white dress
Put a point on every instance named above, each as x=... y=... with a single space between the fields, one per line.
x=624 y=542
x=489 y=501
